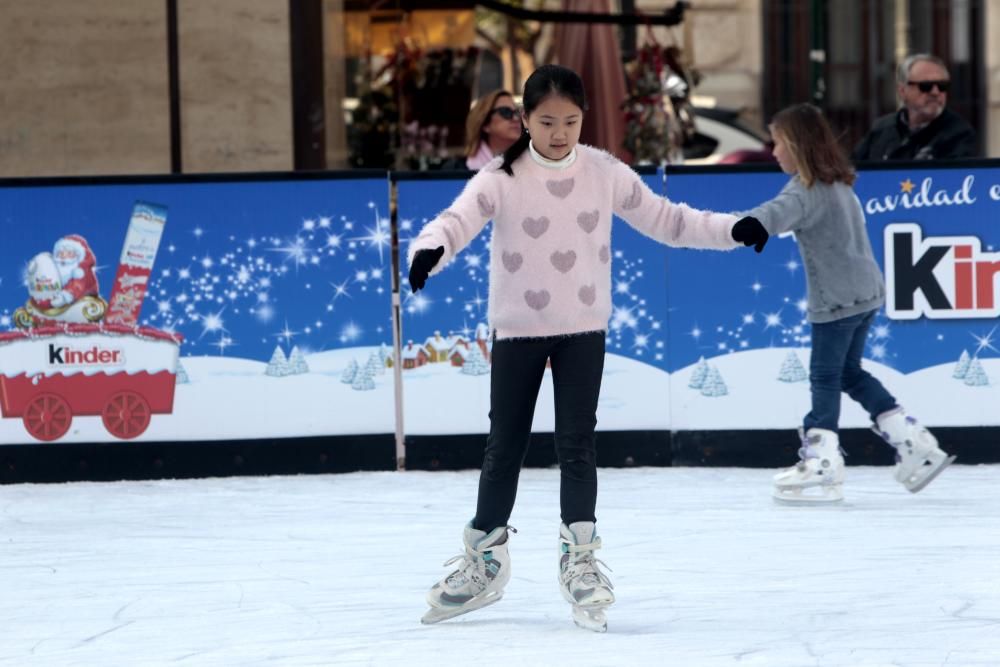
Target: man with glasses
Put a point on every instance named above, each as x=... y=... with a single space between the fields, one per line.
x=922 y=128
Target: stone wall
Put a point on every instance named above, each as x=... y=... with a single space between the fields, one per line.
x=86 y=87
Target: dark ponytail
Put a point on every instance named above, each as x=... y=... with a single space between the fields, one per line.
x=515 y=151
x=544 y=81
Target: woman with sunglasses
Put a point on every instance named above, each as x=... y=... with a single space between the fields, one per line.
x=922 y=128
x=492 y=127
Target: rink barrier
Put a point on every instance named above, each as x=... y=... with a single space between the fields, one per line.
x=57 y=462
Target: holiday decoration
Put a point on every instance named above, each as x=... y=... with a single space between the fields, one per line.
x=278 y=365
x=714 y=384
x=792 y=369
x=475 y=363
x=962 y=367
x=698 y=375
x=976 y=377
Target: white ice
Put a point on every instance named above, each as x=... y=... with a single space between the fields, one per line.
x=332 y=570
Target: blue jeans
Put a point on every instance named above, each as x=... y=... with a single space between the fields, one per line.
x=835 y=366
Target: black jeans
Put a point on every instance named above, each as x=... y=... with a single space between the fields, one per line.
x=517 y=370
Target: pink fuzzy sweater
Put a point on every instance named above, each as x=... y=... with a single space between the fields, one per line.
x=550 y=255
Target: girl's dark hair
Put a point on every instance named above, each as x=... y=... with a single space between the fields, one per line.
x=817 y=153
x=544 y=81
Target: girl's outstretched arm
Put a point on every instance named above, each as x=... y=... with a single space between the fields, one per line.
x=657 y=217
x=456 y=226
x=787 y=212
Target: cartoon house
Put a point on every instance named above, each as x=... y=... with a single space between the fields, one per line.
x=413 y=356
x=438 y=347
x=459 y=353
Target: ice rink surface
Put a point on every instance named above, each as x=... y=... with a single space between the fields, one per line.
x=332 y=570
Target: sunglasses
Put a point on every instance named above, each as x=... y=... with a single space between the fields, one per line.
x=507 y=113
x=927 y=86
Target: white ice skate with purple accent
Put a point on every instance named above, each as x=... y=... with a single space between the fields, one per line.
x=581 y=580
x=818 y=477
x=479 y=579
x=918 y=458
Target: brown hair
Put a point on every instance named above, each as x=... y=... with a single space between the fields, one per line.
x=477 y=118
x=811 y=142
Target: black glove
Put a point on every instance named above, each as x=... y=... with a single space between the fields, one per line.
x=750 y=232
x=423 y=262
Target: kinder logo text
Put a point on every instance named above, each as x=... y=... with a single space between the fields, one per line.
x=939 y=277
x=64 y=355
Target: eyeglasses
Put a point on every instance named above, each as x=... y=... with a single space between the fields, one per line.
x=507 y=113
x=927 y=86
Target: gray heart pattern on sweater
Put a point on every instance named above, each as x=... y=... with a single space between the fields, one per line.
x=561 y=188
x=511 y=260
x=588 y=220
x=604 y=254
x=563 y=261
x=537 y=300
x=633 y=200
x=535 y=227
x=486 y=207
x=587 y=294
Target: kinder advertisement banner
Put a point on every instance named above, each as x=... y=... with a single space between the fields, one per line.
x=446 y=349
x=195 y=311
x=739 y=338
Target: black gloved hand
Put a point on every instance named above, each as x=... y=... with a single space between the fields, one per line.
x=423 y=262
x=750 y=232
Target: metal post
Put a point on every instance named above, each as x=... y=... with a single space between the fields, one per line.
x=397 y=326
x=817 y=51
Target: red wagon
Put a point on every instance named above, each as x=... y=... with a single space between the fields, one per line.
x=50 y=374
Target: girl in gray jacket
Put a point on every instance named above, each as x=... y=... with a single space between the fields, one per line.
x=845 y=289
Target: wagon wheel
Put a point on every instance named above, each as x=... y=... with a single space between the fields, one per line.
x=47 y=417
x=126 y=415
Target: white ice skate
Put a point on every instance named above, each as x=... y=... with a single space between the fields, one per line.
x=580 y=578
x=818 y=477
x=479 y=579
x=918 y=458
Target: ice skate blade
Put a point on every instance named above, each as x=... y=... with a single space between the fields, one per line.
x=930 y=478
x=830 y=495
x=438 y=614
x=590 y=618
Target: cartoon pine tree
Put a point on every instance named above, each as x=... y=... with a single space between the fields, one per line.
x=363 y=380
x=182 y=376
x=976 y=377
x=347 y=377
x=278 y=366
x=792 y=369
x=698 y=375
x=475 y=362
x=375 y=364
x=385 y=354
x=297 y=362
x=714 y=384
x=962 y=367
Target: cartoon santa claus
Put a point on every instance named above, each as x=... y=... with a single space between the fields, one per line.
x=75 y=263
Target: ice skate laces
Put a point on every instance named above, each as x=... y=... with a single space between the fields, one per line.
x=584 y=565
x=472 y=569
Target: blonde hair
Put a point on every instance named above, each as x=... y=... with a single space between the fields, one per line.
x=810 y=140
x=477 y=119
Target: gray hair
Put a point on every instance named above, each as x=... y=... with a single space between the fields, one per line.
x=903 y=72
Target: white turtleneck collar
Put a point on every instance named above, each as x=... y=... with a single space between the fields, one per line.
x=551 y=164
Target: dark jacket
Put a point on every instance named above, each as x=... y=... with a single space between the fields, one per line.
x=947 y=136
